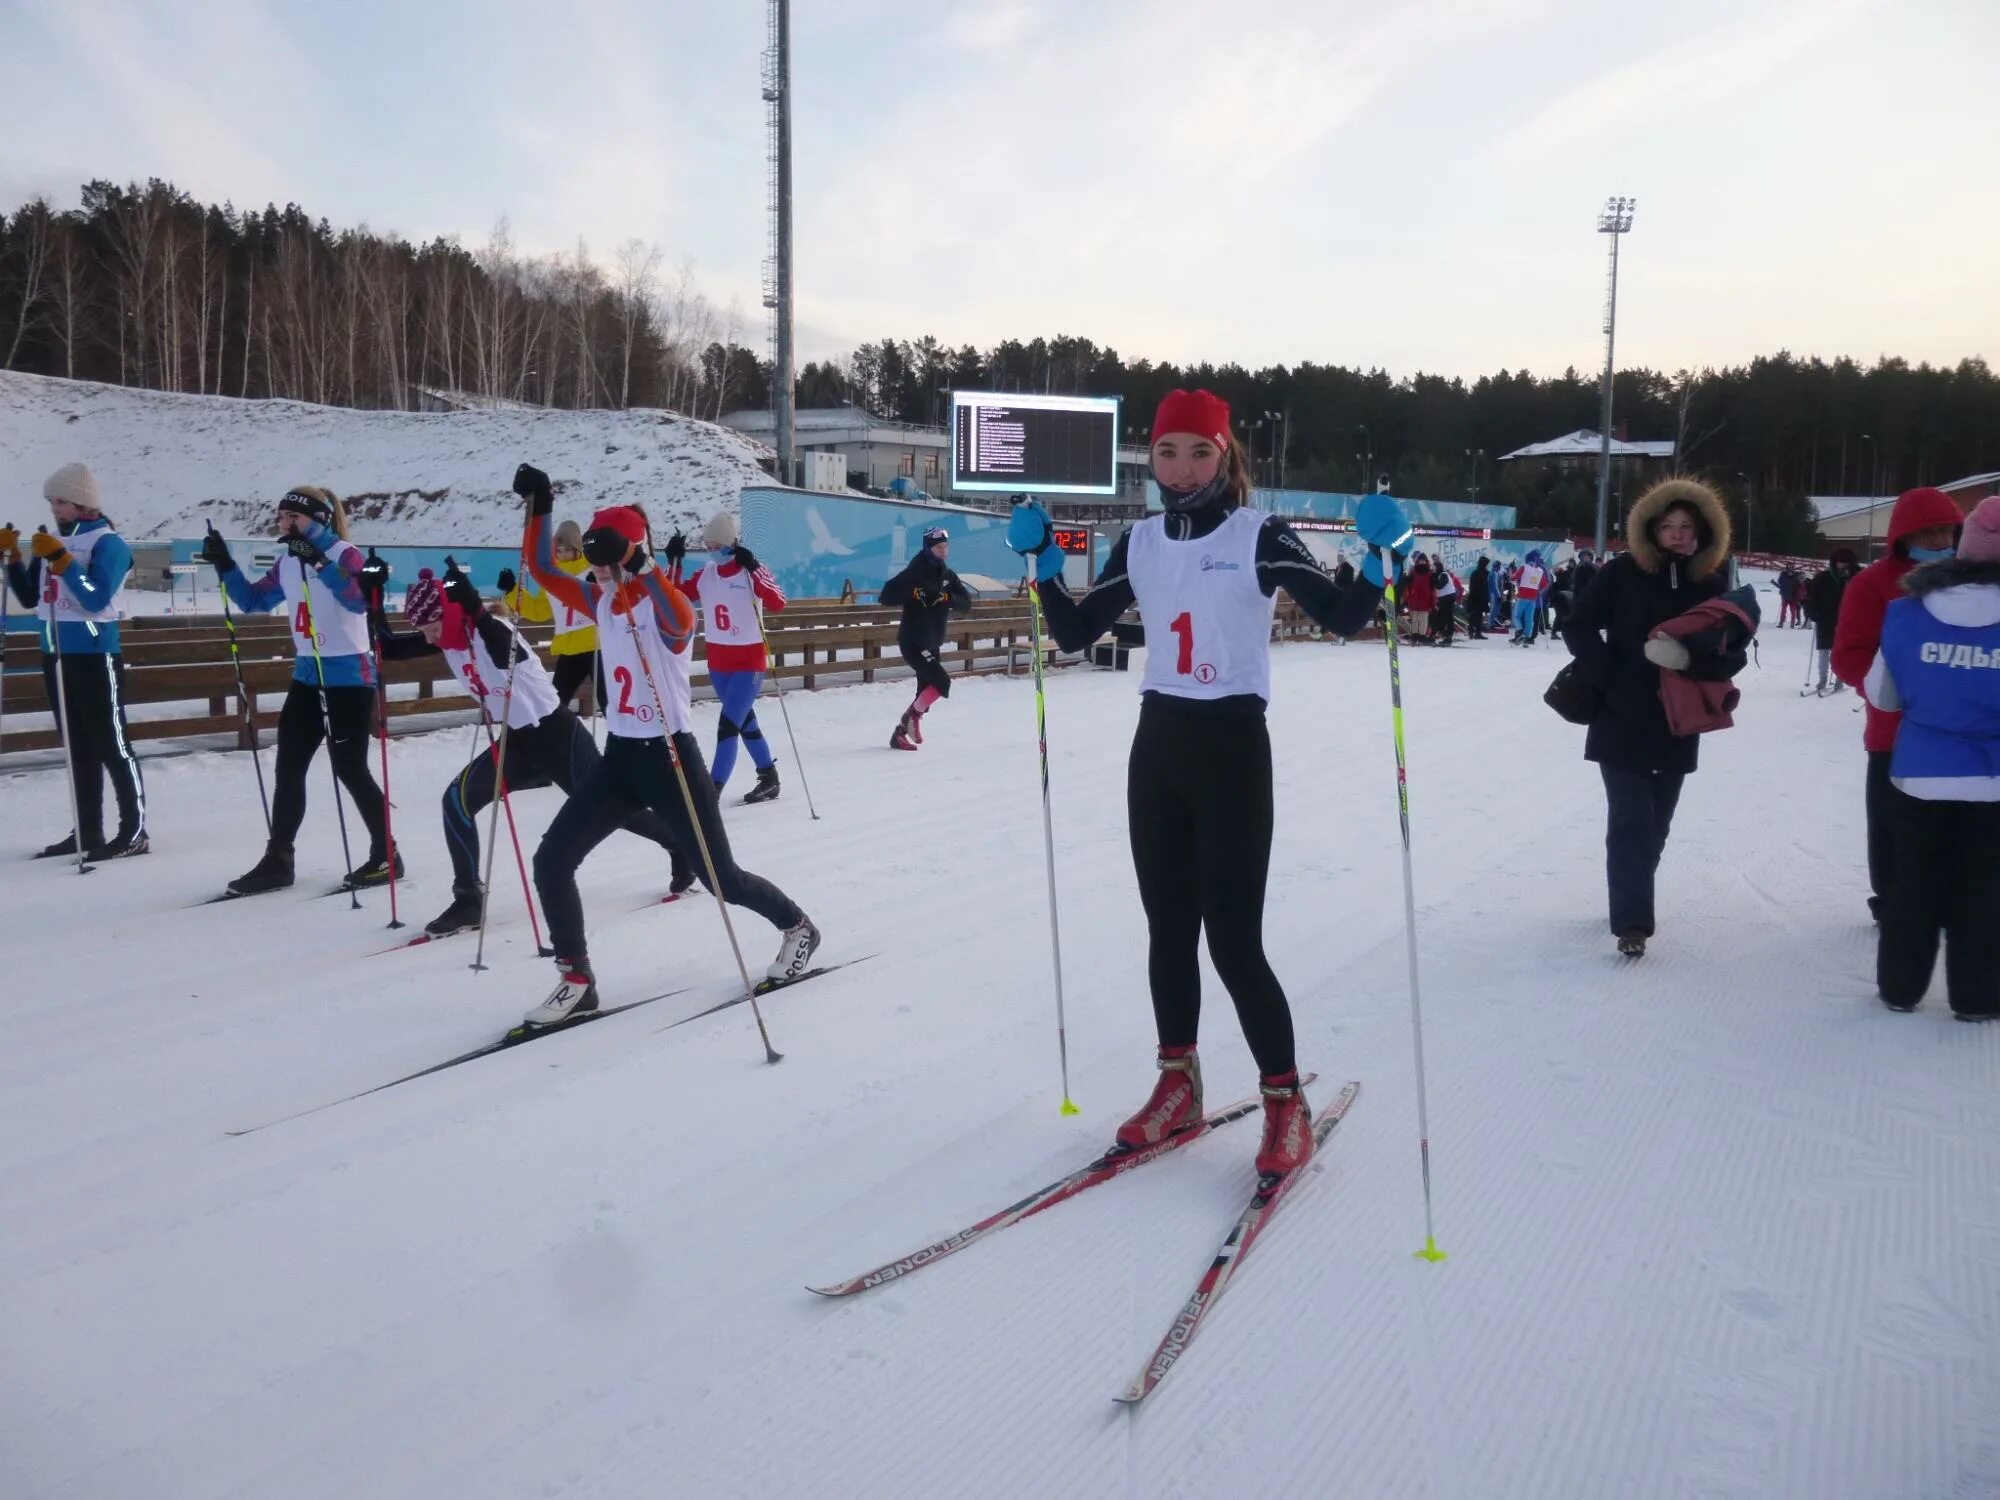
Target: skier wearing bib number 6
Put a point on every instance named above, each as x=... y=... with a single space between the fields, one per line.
x=317 y=578
x=644 y=626
x=1205 y=574
x=731 y=588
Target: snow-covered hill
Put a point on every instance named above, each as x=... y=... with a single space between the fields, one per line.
x=168 y=463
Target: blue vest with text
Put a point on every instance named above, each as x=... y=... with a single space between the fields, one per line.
x=1948 y=677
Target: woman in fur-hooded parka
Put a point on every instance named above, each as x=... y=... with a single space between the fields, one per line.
x=1642 y=761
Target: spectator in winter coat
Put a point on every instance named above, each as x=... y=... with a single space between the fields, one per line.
x=1922 y=528
x=1677 y=538
x=1940 y=650
x=1478 y=600
x=1822 y=606
x=1420 y=596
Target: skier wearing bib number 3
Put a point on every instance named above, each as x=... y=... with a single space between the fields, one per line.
x=318 y=581
x=546 y=743
x=1198 y=788
x=644 y=625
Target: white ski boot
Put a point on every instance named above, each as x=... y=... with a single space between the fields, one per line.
x=795 y=951
x=575 y=994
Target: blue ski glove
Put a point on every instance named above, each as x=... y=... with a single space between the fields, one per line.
x=1031 y=533
x=1380 y=522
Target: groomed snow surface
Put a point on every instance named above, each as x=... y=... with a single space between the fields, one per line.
x=1719 y=1224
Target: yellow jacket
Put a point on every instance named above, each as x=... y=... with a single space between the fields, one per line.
x=576 y=634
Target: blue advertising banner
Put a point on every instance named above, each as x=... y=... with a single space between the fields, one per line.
x=1321 y=505
x=817 y=543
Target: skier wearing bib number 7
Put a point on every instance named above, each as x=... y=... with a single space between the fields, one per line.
x=1205 y=574
x=317 y=578
x=644 y=625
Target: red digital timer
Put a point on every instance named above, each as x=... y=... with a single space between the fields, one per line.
x=1072 y=538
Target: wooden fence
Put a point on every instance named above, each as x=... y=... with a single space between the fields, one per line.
x=181 y=663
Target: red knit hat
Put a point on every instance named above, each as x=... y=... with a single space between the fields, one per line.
x=623 y=520
x=1202 y=413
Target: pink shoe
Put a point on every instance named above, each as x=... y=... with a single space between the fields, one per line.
x=1288 y=1126
x=1176 y=1101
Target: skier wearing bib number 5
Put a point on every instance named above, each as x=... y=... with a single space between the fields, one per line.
x=317 y=579
x=644 y=625
x=1198 y=787
x=730 y=590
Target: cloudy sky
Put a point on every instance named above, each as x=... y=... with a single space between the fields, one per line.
x=1412 y=185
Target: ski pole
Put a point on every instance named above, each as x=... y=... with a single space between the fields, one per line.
x=1049 y=836
x=6 y=597
x=51 y=593
x=243 y=700
x=771 y=1054
x=1430 y=1252
x=326 y=722
x=382 y=734
x=785 y=713
x=501 y=801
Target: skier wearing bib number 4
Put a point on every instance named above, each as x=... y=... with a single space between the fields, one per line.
x=730 y=589
x=546 y=743
x=317 y=579
x=1198 y=787
x=644 y=625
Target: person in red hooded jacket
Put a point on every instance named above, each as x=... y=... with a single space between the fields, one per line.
x=1922 y=528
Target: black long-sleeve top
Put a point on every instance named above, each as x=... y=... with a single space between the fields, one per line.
x=408 y=645
x=930 y=594
x=1283 y=561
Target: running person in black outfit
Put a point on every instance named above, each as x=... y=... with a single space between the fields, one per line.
x=930 y=594
x=546 y=743
x=1198 y=789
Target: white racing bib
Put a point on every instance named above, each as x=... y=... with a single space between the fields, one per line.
x=534 y=693
x=729 y=607
x=59 y=605
x=1208 y=624
x=630 y=708
x=335 y=629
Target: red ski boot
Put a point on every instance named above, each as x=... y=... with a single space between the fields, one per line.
x=1288 y=1126
x=1176 y=1101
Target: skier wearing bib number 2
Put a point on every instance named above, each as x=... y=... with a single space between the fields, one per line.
x=317 y=578
x=644 y=625
x=546 y=743
x=1198 y=787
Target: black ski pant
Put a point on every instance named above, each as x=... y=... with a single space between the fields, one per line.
x=99 y=743
x=1198 y=797
x=571 y=672
x=1640 y=806
x=1444 y=622
x=1882 y=798
x=558 y=751
x=301 y=727
x=634 y=775
x=922 y=657
x=1946 y=885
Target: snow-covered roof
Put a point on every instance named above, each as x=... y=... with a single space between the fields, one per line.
x=1583 y=443
x=1971 y=482
x=1833 y=507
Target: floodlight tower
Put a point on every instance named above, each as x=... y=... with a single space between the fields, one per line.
x=1615 y=221
x=778 y=259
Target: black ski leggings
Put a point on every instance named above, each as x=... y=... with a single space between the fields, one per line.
x=558 y=751
x=922 y=657
x=99 y=744
x=573 y=671
x=1198 y=794
x=633 y=775
x=300 y=730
